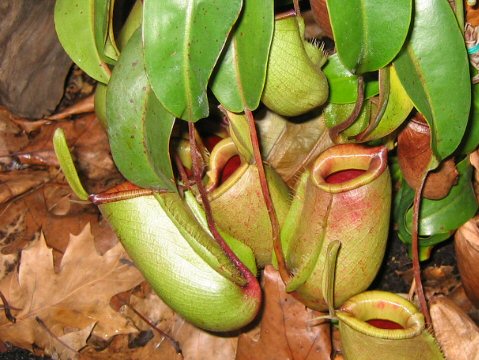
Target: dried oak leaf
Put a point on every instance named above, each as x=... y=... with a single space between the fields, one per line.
x=285 y=331
x=195 y=344
x=455 y=331
x=58 y=303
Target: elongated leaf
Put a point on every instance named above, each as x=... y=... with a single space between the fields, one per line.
x=139 y=128
x=369 y=33
x=343 y=84
x=183 y=40
x=77 y=31
x=435 y=76
x=239 y=81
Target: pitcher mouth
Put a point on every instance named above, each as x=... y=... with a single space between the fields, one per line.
x=348 y=166
x=221 y=156
x=363 y=312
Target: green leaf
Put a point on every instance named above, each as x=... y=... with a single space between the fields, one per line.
x=239 y=80
x=66 y=164
x=471 y=138
x=182 y=41
x=139 y=127
x=438 y=218
x=435 y=76
x=343 y=84
x=76 y=26
x=368 y=33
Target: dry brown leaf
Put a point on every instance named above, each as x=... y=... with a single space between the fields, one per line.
x=466 y=244
x=196 y=344
x=84 y=105
x=298 y=146
x=75 y=297
x=455 y=331
x=285 y=331
x=68 y=345
x=16 y=183
x=11 y=138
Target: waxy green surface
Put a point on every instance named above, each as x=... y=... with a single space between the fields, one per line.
x=241 y=72
x=183 y=41
x=368 y=33
x=139 y=127
x=436 y=77
x=78 y=27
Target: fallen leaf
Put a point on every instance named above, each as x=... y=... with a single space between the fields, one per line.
x=466 y=244
x=68 y=345
x=8 y=235
x=16 y=183
x=12 y=138
x=76 y=296
x=285 y=332
x=457 y=334
x=195 y=344
x=84 y=105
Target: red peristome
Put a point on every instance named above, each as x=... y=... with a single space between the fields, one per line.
x=343 y=176
x=229 y=168
x=385 y=324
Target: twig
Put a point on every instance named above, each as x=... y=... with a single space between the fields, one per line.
x=7 y=309
x=44 y=326
x=173 y=342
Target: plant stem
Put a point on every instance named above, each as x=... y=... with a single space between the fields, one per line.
x=251 y=280
x=384 y=90
x=416 y=266
x=278 y=249
x=296 y=7
x=336 y=130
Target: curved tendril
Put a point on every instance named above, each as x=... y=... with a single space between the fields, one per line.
x=197 y=172
x=415 y=251
x=384 y=91
x=336 y=130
